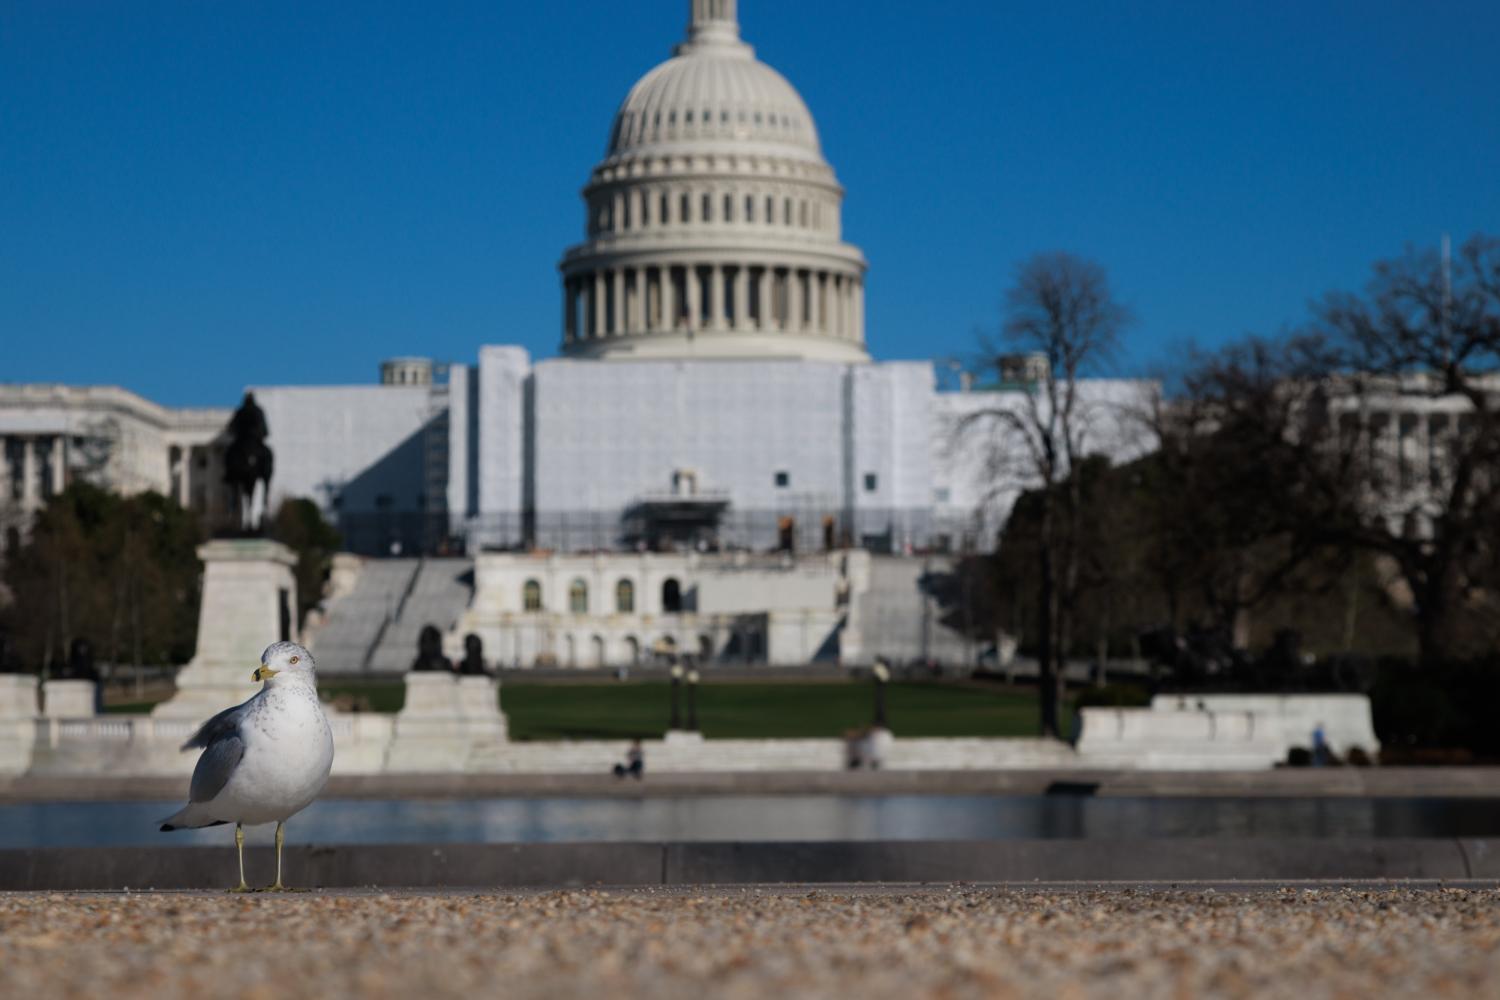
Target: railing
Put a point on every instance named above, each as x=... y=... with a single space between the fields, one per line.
x=799 y=526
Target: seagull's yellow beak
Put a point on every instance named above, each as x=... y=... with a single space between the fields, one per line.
x=262 y=673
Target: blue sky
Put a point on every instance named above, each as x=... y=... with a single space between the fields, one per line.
x=198 y=196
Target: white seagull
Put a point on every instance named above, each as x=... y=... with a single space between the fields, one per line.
x=264 y=760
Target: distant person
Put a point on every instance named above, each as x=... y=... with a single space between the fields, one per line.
x=1322 y=755
x=635 y=762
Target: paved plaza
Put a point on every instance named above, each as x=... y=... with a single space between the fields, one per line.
x=1056 y=942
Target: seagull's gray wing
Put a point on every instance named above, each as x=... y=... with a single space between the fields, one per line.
x=223 y=747
x=226 y=723
x=214 y=768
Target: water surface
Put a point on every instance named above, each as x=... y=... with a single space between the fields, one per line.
x=767 y=817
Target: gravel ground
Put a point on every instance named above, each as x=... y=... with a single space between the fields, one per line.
x=1349 y=942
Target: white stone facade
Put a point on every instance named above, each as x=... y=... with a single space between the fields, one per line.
x=620 y=609
x=53 y=434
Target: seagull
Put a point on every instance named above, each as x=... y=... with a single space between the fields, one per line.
x=264 y=760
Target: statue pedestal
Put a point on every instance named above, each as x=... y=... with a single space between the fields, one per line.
x=443 y=719
x=70 y=699
x=18 y=712
x=249 y=602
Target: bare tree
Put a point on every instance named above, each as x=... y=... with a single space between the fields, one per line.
x=1061 y=323
x=1423 y=348
x=1378 y=430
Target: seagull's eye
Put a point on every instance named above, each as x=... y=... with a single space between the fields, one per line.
x=296 y=658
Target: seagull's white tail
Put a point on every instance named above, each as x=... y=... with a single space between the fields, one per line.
x=189 y=817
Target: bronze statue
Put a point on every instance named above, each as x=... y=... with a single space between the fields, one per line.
x=473 y=662
x=430 y=651
x=248 y=462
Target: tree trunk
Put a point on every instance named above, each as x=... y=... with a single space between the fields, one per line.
x=1047 y=614
x=1434 y=626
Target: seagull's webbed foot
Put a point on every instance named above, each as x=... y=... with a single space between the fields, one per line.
x=242 y=887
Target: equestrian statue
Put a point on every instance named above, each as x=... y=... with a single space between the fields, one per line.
x=248 y=463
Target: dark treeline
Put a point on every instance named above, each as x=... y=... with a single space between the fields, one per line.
x=1334 y=490
x=121 y=575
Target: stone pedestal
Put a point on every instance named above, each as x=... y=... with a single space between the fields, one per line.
x=249 y=602
x=18 y=713
x=70 y=699
x=445 y=716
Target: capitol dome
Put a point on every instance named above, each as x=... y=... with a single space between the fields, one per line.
x=715 y=92
x=713 y=222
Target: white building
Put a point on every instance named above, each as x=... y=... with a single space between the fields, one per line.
x=714 y=388
x=53 y=434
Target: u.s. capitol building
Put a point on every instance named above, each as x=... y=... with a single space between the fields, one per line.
x=713 y=393
x=713 y=386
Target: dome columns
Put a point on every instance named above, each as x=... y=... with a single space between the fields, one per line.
x=704 y=298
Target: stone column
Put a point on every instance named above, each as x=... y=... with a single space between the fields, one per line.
x=763 y=321
x=794 y=300
x=617 y=302
x=716 y=310
x=668 y=298
x=599 y=304
x=28 y=470
x=187 y=476
x=835 y=317
x=741 y=297
x=694 y=297
x=815 y=289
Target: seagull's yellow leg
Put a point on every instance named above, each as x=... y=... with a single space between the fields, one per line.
x=239 y=845
x=280 y=837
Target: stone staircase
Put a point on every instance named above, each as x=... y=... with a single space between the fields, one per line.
x=897 y=621
x=357 y=622
x=438 y=595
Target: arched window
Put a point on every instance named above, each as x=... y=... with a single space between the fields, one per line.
x=671 y=596
x=625 y=597
x=662 y=215
x=578 y=597
x=531 y=596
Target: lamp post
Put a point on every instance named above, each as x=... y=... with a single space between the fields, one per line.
x=676 y=696
x=692 y=698
x=882 y=675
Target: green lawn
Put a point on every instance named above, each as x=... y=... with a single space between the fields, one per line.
x=613 y=710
